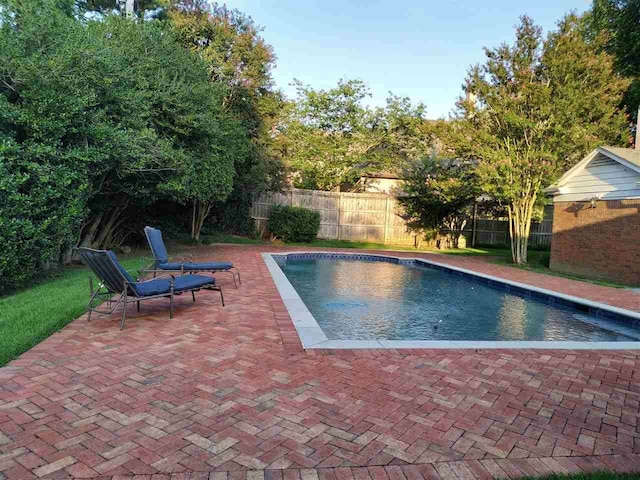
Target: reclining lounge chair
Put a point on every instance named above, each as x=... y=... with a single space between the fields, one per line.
x=118 y=287
x=162 y=262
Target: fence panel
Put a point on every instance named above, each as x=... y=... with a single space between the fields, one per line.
x=376 y=218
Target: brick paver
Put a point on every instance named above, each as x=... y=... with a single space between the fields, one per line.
x=229 y=394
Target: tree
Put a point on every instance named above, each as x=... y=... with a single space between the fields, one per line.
x=230 y=44
x=330 y=137
x=532 y=110
x=439 y=194
x=181 y=142
x=616 y=22
x=208 y=176
x=99 y=118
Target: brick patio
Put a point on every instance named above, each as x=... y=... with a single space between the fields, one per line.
x=228 y=393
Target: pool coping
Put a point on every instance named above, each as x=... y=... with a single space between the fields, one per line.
x=313 y=337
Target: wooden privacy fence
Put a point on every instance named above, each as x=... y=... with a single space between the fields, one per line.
x=496 y=232
x=373 y=217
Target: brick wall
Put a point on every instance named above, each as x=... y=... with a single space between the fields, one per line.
x=601 y=242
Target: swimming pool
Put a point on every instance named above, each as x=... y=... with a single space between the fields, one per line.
x=373 y=301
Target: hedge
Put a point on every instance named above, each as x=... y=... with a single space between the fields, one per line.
x=294 y=224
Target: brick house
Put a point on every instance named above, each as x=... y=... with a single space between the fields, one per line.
x=596 y=217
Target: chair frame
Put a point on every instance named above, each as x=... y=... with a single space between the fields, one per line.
x=106 y=295
x=152 y=269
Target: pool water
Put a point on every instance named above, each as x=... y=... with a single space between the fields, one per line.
x=364 y=300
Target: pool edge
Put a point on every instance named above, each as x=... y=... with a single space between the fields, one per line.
x=312 y=336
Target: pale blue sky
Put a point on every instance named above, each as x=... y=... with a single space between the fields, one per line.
x=419 y=49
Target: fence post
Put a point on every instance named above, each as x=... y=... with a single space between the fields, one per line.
x=473 y=231
x=386 y=222
x=339 y=215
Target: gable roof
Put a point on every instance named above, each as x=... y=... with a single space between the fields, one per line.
x=628 y=157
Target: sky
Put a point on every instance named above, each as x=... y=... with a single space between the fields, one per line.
x=413 y=48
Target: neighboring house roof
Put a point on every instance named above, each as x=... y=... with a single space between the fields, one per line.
x=389 y=175
x=629 y=157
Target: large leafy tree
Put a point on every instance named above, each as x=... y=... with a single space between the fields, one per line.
x=531 y=111
x=331 y=137
x=616 y=22
x=162 y=97
x=236 y=55
x=97 y=119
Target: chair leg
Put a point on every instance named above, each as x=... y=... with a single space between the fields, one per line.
x=138 y=306
x=92 y=295
x=234 y=279
x=171 y=303
x=124 y=309
x=239 y=279
x=193 y=294
x=221 y=296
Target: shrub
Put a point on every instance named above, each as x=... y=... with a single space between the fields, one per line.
x=41 y=205
x=294 y=224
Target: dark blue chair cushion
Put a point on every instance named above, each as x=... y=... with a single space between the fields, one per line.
x=157 y=244
x=206 y=266
x=159 y=286
x=124 y=273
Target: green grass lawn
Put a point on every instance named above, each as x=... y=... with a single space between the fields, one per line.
x=29 y=316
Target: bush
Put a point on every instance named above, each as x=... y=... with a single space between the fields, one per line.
x=41 y=206
x=294 y=224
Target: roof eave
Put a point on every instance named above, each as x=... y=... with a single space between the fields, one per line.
x=619 y=159
x=552 y=190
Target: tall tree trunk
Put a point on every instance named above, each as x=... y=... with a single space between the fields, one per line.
x=100 y=231
x=199 y=215
x=110 y=223
x=520 y=213
x=193 y=219
x=90 y=231
x=109 y=240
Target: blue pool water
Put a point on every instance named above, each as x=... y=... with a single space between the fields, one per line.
x=362 y=300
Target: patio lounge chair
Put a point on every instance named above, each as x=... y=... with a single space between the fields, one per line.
x=116 y=281
x=162 y=262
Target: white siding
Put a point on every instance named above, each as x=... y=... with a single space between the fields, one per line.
x=390 y=186
x=604 y=178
